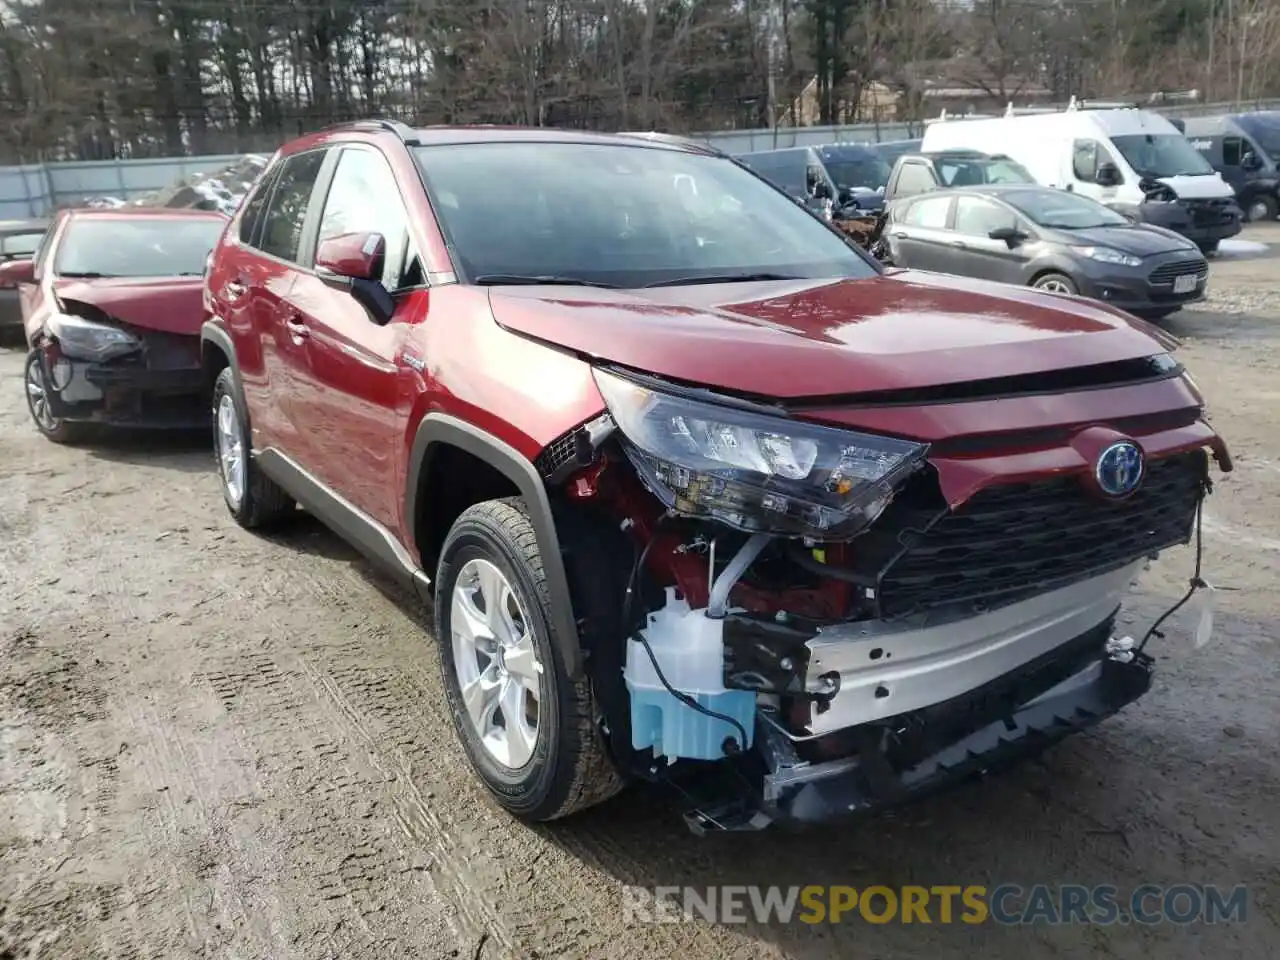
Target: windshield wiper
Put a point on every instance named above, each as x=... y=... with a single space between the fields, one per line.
x=85 y=275
x=515 y=279
x=724 y=278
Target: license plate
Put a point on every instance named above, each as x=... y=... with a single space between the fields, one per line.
x=1184 y=284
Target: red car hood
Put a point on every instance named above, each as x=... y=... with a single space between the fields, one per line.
x=829 y=338
x=169 y=304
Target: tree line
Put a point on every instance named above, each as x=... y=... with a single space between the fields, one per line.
x=97 y=79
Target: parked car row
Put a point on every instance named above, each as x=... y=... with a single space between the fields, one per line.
x=699 y=491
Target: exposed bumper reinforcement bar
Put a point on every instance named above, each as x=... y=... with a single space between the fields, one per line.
x=798 y=792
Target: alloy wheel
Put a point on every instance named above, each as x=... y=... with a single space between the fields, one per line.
x=38 y=396
x=496 y=663
x=1052 y=286
x=229 y=439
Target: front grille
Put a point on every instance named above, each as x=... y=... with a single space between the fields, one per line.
x=1018 y=539
x=1167 y=273
x=1210 y=213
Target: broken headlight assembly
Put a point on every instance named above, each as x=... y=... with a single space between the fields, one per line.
x=756 y=471
x=84 y=339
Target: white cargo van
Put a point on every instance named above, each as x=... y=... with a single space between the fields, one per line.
x=1134 y=161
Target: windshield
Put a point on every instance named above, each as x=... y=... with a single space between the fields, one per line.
x=1265 y=131
x=1059 y=210
x=137 y=246
x=870 y=172
x=626 y=216
x=1162 y=155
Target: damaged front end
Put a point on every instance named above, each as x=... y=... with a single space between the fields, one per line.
x=815 y=630
x=99 y=369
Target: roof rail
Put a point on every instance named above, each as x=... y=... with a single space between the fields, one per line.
x=1081 y=104
x=406 y=133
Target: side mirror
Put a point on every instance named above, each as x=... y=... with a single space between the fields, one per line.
x=1108 y=175
x=353 y=262
x=16 y=272
x=356 y=256
x=822 y=191
x=1251 y=161
x=1010 y=235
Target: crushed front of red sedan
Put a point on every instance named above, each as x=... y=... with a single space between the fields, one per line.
x=869 y=563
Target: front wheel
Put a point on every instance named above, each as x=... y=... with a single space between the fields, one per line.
x=1210 y=247
x=53 y=428
x=528 y=729
x=1055 y=283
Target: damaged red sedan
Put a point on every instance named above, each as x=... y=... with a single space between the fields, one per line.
x=701 y=494
x=111 y=306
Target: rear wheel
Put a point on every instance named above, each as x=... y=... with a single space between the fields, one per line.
x=529 y=731
x=1055 y=283
x=254 y=499
x=55 y=428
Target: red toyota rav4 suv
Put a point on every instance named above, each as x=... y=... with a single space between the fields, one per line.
x=695 y=487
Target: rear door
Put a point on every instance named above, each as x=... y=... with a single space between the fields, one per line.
x=254 y=286
x=920 y=237
x=352 y=397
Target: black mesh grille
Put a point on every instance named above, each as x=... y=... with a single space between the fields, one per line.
x=556 y=454
x=1168 y=272
x=1210 y=213
x=1018 y=538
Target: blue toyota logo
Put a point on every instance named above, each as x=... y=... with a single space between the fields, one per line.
x=1119 y=469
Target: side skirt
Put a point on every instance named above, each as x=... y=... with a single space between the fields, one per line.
x=345 y=519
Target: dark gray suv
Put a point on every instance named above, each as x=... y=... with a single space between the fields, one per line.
x=1049 y=239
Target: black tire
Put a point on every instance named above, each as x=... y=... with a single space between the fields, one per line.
x=1262 y=208
x=570 y=768
x=52 y=428
x=1046 y=281
x=1210 y=247
x=263 y=503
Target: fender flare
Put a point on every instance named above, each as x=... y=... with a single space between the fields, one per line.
x=211 y=332
x=441 y=429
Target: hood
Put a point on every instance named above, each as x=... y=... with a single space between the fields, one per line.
x=1205 y=186
x=168 y=304
x=805 y=339
x=1138 y=239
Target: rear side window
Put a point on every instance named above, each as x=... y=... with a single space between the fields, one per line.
x=286 y=214
x=912 y=179
x=251 y=219
x=930 y=213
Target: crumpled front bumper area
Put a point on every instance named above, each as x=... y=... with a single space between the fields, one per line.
x=918 y=753
x=159 y=387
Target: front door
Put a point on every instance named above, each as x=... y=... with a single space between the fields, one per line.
x=352 y=399
x=976 y=254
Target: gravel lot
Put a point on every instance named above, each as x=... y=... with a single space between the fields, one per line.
x=218 y=745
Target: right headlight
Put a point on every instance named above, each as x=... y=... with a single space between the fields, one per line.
x=754 y=471
x=84 y=339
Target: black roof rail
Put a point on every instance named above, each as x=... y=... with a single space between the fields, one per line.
x=406 y=133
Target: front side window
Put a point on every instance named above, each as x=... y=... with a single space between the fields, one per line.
x=136 y=246
x=1232 y=151
x=364 y=198
x=1084 y=160
x=976 y=217
x=625 y=216
x=1162 y=155
x=867 y=171
x=284 y=218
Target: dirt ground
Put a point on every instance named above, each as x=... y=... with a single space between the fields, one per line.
x=223 y=746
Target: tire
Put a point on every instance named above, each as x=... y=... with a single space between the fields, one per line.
x=51 y=427
x=255 y=500
x=1056 y=283
x=563 y=767
x=1260 y=208
x=1160 y=314
x=1210 y=247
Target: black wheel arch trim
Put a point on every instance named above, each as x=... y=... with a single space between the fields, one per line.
x=437 y=429
x=212 y=332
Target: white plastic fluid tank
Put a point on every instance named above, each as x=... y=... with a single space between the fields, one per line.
x=689 y=646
